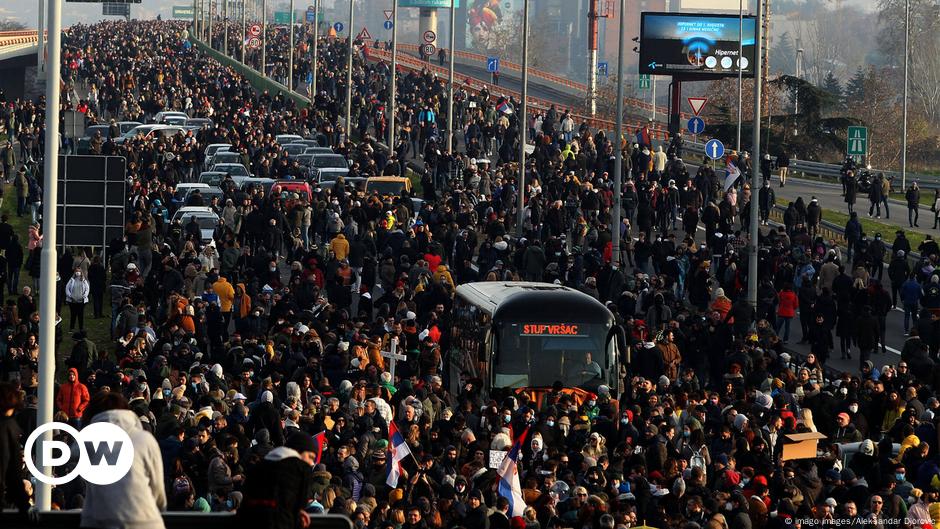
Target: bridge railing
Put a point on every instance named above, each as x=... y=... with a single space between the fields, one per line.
x=477 y=85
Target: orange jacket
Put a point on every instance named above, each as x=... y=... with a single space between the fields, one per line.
x=226 y=293
x=73 y=397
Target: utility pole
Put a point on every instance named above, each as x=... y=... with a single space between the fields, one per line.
x=592 y=54
x=349 y=67
x=393 y=89
x=290 y=51
x=50 y=258
x=244 y=28
x=799 y=75
x=316 y=47
x=41 y=48
x=907 y=36
x=755 y=168
x=740 y=70
x=211 y=14
x=225 y=27
x=450 y=80
x=264 y=38
x=522 y=118
x=618 y=148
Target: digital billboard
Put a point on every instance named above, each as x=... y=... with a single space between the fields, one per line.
x=428 y=3
x=706 y=44
x=490 y=21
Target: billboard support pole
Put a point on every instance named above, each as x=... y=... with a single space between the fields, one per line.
x=592 y=54
x=290 y=50
x=264 y=38
x=225 y=27
x=244 y=28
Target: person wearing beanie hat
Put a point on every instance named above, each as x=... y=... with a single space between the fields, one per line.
x=275 y=489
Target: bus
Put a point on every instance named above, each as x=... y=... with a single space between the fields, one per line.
x=525 y=337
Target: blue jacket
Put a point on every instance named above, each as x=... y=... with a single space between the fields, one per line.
x=911 y=292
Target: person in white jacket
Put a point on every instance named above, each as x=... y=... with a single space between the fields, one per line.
x=136 y=500
x=76 y=295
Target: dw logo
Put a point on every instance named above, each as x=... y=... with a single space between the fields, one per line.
x=105 y=453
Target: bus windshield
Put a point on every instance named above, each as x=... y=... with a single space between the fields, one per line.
x=539 y=354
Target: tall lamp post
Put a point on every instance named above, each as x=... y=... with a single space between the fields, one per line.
x=393 y=89
x=755 y=168
x=450 y=80
x=349 y=67
x=522 y=118
x=290 y=51
x=618 y=146
x=740 y=69
x=47 y=274
x=907 y=36
x=316 y=47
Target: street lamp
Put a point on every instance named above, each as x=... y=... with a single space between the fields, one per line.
x=522 y=118
x=907 y=35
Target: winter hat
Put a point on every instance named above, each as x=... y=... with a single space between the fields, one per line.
x=267 y=396
x=301 y=441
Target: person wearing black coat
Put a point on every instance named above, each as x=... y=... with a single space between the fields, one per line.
x=279 y=487
x=851 y=190
x=11 y=453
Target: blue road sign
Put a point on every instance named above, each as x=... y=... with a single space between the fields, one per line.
x=388 y=24
x=492 y=64
x=338 y=27
x=311 y=16
x=602 y=69
x=714 y=149
x=696 y=125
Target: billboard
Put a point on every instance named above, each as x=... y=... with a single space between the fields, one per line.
x=428 y=3
x=703 y=44
x=490 y=21
x=183 y=12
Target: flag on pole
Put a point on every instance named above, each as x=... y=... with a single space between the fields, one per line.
x=509 y=486
x=397 y=450
x=733 y=174
x=320 y=441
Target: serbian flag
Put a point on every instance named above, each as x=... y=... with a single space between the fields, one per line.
x=509 y=486
x=397 y=450
x=320 y=441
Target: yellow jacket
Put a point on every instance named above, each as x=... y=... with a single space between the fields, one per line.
x=226 y=293
x=340 y=247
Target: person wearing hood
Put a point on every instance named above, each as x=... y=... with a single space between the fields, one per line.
x=352 y=477
x=72 y=398
x=813 y=217
x=278 y=488
x=136 y=499
x=76 y=295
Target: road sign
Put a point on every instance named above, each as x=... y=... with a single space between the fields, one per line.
x=714 y=149
x=429 y=36
x=183 y=12
x=364 y=34
x=645 y=81
x=388 y=14
x=857 y=141
x=602 y=69
x=116 y=9
x=428 y=49
x=338 y=27
x=697 y=103
x=254 y=30
x=282 y=17
x=311 y=16
x=254 y=43
x=388 y=24
x=492 y=64
x=696 y=125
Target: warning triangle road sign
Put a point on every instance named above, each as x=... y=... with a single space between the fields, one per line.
x=697 y=103
x=364 y=34
x=388 y=14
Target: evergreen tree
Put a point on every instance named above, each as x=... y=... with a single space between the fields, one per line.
x=833 y=87
x=855 y=88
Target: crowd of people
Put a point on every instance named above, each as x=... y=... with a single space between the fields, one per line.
x=254 y=357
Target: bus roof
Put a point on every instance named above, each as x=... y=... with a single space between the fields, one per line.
x=519 y=300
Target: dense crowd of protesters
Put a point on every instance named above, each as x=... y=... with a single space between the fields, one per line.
x=254 y=357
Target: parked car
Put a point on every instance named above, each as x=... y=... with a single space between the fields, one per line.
x=328 y=167
x=205 y=217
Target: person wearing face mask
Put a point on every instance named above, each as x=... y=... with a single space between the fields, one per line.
x=76 y=295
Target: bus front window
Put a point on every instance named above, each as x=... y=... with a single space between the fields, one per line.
x=538 y=355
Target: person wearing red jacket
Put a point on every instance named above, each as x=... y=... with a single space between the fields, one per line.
x=787 y=303
x=73 y=397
